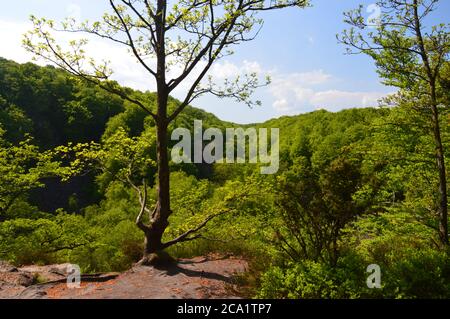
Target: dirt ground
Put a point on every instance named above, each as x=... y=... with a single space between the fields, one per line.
x=196 y=278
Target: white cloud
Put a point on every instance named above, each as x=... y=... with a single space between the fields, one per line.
x=127 y=70
x=11 y=35
x=334 y=100
x=251 y=66
x=282 y=105
x=298 y=92
x=226 y=69
x=74 y=11
x=314 y=77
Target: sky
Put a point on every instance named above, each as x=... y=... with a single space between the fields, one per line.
x=297 y=48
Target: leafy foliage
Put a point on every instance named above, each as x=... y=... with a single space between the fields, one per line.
x=354 y=188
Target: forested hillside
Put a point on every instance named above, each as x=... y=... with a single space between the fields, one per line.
x=354 y=188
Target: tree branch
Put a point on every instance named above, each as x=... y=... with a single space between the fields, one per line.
x=185 y=236
x=130 y=39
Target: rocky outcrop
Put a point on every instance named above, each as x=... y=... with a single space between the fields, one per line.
x=6 y=267
x=13 y=280
x=202 y=277
x=17 y=278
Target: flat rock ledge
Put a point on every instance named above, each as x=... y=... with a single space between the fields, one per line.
x=202 y=277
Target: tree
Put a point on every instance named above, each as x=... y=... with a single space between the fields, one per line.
x=411 y=56
x=314 y=207
x=22 y=168
x=189 y=34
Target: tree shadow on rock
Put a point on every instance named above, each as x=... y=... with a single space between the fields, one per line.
x=174 y=270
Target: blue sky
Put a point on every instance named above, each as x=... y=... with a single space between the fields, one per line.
x=296 y=47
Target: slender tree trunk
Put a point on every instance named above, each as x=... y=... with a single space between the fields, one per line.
x=160 y=217
x=159 y=220
x=439 y=149
x=440 y=160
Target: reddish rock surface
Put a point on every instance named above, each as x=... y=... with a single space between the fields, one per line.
x=197 y=278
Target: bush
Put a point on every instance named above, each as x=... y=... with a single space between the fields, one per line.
x=419 y=274
x=422 y=274
x=306 y=280
x=42 y=241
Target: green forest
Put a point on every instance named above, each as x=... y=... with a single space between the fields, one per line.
x=354 y=188
x=79 y=162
